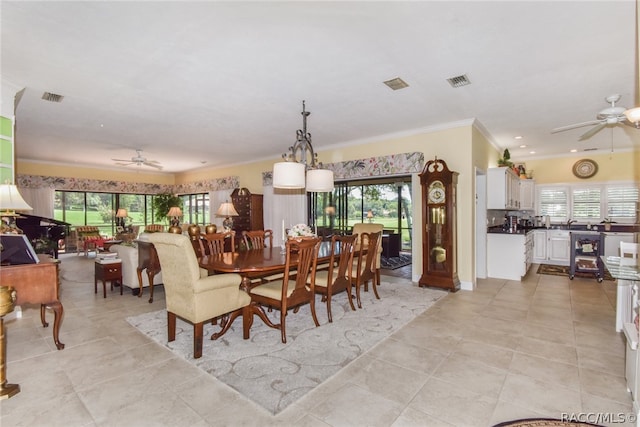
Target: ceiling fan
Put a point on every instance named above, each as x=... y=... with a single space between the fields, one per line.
x=139 y=161
x=609 y=116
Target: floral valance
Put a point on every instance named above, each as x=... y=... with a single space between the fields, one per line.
x=113 y=186
x=394 y=164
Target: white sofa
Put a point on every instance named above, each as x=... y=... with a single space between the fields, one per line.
x=129 y=257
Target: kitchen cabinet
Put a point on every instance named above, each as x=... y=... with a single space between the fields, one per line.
x=503 y=189
x=612 y=242
x=509 y=256
x=527 y=195
x=552 y=247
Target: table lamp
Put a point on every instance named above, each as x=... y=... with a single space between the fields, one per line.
x=121 y=216
x=175 y=213
x=227 y=210
x=370 y=216
x=10 y=201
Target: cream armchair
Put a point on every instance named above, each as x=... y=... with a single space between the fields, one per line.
x=368 y=227
x=194 y=298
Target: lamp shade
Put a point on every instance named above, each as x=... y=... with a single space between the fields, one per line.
x=370 y=214
x=122 y=213
x=10 y=199
x=174 y=211
x=227 y=209
x=288 y=175
x=319 y=180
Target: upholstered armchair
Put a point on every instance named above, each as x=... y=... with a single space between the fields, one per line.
x=89 y=238
x=194 y=298
x=367 y=227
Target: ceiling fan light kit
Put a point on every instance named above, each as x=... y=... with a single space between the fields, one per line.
x=139 y=161
x=633 y=116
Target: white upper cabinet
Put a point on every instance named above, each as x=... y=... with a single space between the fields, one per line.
x=503 y=189
x=527 y=195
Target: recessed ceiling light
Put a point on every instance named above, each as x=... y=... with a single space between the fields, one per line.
x=518 y=137
x=573 y=151
x=532 y=152
x=523 y=146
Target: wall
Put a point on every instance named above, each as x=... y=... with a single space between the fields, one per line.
x=6 y=150
x=616 y=166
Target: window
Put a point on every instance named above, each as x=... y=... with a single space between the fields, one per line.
x=593 y=203
x=553 y=201
x=586 y=204
x=621 y=203
x=196 y=209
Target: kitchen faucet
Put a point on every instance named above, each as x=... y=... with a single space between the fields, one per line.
x=571 y=221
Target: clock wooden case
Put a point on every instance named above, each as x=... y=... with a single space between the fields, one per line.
x=439 y=232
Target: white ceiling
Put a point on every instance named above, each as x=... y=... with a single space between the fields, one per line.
x=206 y=84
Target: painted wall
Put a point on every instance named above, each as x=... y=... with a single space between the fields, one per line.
x=616 y=166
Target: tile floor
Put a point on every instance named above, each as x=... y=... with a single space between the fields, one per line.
x=507 y=350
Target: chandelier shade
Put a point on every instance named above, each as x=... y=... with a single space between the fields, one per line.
x=301 y=168
x=319 y=181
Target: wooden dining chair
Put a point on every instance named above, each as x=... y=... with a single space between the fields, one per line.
x=338 y=276
x=364 y=267
x=214 y=243
x=291 y=293
x=257 y=239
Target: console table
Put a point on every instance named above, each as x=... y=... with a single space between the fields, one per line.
x=37 y=284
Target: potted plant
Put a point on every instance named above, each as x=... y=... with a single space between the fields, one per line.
x=505 y=160
x=607 y=224
x=162 y=203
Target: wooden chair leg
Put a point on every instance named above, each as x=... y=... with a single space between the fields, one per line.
x=198 y=329
x=171 y=326
x=283 y=332
x=247 y=321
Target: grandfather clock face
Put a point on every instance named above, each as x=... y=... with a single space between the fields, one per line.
x=436 y=192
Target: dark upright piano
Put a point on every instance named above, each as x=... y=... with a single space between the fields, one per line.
x=38 y=227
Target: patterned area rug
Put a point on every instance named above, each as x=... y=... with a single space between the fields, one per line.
x=562 y=270
x=543 y=422
x=273 y=374
x=395 y=262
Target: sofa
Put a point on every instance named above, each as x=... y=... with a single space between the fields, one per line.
x=129 y=256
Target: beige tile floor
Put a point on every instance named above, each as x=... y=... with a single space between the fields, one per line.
x=508 y=350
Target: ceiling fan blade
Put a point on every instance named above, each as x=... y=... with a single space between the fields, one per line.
x=592 y=131
x=576 y=125
x=124 y=164
x=153 y=164
x=122 y=160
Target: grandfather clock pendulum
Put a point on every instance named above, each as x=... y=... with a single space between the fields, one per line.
x=439 y=234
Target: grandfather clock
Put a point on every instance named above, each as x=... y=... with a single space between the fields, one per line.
x=439 y=234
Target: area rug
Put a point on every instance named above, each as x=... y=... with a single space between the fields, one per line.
x=392 y=263
x=543 y=422
x=273 y=374
x=563 y=270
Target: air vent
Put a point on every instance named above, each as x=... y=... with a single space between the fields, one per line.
x=590 y=149
x=52 y=97
x=396 y=83
x=459 y=81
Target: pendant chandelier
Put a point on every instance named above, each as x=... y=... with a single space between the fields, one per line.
x=300 y=167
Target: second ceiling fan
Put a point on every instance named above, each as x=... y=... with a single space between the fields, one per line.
x=611 y=115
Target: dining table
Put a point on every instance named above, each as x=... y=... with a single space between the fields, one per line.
x=255 y=263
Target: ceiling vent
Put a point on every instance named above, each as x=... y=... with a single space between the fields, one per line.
x=396 y=83
x=52 y=97
x=459 y=81
x=590 y=149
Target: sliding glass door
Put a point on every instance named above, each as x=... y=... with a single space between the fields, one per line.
x=384 y=201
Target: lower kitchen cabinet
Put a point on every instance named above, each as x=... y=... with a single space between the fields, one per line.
x=509 y=256
x=552 y=247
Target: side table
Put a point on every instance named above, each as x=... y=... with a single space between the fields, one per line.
x=109 y=243
x=107 y=272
